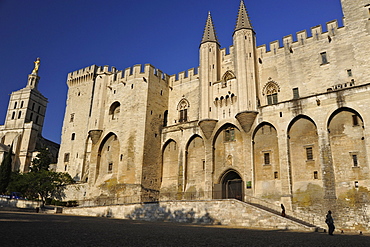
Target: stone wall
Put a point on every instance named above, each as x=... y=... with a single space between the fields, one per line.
x=213 y=212
x=24 y=204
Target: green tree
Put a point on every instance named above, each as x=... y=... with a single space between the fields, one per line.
x=40 y=182
x=42 y=161
x=6 y=171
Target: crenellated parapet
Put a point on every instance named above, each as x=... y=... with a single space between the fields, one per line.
x=88 y=74
x=290 y=42
x=81 y=76
x=183 y=77
x=225 y=54
x=140 y=71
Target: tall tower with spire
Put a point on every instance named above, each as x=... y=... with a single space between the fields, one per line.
x=209 y=66
x=244 y=41
x=24 y=121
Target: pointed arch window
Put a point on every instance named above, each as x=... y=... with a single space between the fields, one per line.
x=182 y=108
x=271 y=90
x=228 y=76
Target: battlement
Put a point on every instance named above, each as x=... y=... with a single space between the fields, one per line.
x=137 y=71
x=227 y=53
x=301 y=38
x=183 y=77
x=82 y=75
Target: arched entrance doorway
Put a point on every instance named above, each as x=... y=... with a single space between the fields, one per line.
x=232 y=186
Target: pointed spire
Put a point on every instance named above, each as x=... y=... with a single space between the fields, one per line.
x=242 y=21
x=209 y=34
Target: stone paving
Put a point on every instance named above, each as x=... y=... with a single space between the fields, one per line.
x=31 y=229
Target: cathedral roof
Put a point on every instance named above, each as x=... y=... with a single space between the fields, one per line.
x=209 y=34
x=242 y=21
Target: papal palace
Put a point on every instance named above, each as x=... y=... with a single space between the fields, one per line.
x=287 y=122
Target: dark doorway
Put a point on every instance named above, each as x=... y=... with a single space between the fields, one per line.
x=232 y=186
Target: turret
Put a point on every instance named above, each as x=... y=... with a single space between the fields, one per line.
x=245 y=60
x=209 y=67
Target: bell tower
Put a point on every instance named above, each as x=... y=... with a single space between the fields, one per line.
x=24 y=121
x=27 y=104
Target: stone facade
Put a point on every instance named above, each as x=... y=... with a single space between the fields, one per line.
x=23 y=125
x=287 y=124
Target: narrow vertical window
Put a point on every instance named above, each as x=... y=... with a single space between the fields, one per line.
x=72 y=117
x=269 y=99
x=275 y=98
x=110 y=167
x=183 y=110
x=266 y=158
x=349 y=73
x=22 y=104
x=73 y=136
x=295 y=93
x=13 y=115
x=15 y=105
x=165 y=118
x=309 y=154
x=354 y=159
x=324 y=58
x=354 y=120
x=276 y=175
x=315 y=175
x=183 y=115
x=19 y=114
x=66 y=157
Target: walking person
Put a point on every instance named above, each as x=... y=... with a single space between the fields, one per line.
x=282 y=210
x=330 y=222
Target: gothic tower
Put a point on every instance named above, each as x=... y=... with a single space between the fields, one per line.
x=244 y=41
x=209 y=68
x=24 y=121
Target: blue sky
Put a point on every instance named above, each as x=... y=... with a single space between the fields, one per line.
x=72 y=34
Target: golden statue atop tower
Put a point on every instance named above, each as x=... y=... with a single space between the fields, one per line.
x=36 y=68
